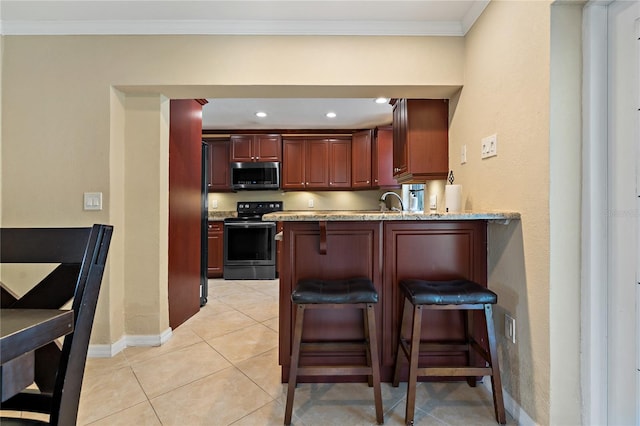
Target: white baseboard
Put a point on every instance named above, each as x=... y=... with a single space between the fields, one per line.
x=108 y=351
x=510 y=405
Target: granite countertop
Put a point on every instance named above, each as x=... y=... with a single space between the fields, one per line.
x=364 y=215
x=221 y=214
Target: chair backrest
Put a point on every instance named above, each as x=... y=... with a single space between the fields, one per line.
x=81 y=254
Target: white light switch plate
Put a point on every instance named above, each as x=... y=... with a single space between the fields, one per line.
x=93 y=200
x=489 y=146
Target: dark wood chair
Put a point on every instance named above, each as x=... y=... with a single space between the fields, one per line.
x=356 y=293
x=463 y=295
x=81 y=254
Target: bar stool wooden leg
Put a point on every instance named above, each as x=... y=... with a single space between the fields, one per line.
x=293 y=368
x=496 y=382
x=406 y=315
x=366 y=338
x=412 y=381
x=468 y=335
x=373 y=358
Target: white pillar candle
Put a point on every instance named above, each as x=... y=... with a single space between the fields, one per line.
x=453 y=198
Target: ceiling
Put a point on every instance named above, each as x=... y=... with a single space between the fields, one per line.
x=253 y=17
x=295 y=114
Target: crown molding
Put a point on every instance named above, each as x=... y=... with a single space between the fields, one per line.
x=473 y=14
x=239 y=27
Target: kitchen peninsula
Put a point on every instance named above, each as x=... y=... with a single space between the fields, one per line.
x=385 y=247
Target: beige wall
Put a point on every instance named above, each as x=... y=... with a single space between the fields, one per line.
x=88 y=113
x=506 y=92
x=98 y=105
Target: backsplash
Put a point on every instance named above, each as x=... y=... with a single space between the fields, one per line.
x=300 y=200
x=321 y=200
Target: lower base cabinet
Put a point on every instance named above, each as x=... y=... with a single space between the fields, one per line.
x=385 y=252
x=215 y=249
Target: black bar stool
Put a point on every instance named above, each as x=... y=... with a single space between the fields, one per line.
x=356 y=293
x=462 y=295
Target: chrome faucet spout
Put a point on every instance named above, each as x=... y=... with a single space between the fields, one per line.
x=383 y=197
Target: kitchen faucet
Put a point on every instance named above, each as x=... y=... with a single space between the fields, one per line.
x=384 y=196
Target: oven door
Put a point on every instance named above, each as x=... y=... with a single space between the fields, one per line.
x=249 y=243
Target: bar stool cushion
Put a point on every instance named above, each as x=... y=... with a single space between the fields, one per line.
x=455 y=292
x=344 y=291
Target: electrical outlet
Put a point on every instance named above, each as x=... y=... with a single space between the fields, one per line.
x=489 y=146
x=463 y=154
x=433 y=201
x=510 y=328
x=214 y=203
x=310 y=204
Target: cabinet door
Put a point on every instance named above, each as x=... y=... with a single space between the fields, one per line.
x=219 y=177
x=399 y=137
x=267 y=148
x=317 y=168
x=420 y=140
x=215 y=250
x=361 y=159
x=339 y=163
x=383 y=158
x=242 y=148
x=427 y=138
x=293 y=164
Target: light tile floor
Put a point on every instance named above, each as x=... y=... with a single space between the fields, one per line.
x=221 y=368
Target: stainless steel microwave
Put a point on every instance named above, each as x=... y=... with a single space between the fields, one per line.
x=254 y=176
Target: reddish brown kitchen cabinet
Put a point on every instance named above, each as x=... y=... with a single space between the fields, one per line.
x=219 y=177
x=352 y=251
x=420 y=139
x=382 y=158
x=361 y=160
x=316 y=163
x=386 y=252
x=432 y=250
x=256 y=148
x=215 y=249
x=293 y=164
x=339 y=163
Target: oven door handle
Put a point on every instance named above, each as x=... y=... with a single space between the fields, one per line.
x=251 y=224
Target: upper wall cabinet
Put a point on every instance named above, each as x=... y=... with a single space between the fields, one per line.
x=361 y=160
x=256 y=148
x=420 y=139
x=382 y=158
x=316 y=163
x=219 y=178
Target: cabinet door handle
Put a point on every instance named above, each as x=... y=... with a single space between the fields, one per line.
x=367 y=181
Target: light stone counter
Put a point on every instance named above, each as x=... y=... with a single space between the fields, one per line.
x=215 y=215
x=373 y=215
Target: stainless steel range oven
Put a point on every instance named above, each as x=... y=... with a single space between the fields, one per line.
x=249 y=242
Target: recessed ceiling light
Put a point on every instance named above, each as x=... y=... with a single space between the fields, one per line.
x=331 y=114
x=261 y=114
x=382 y=100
